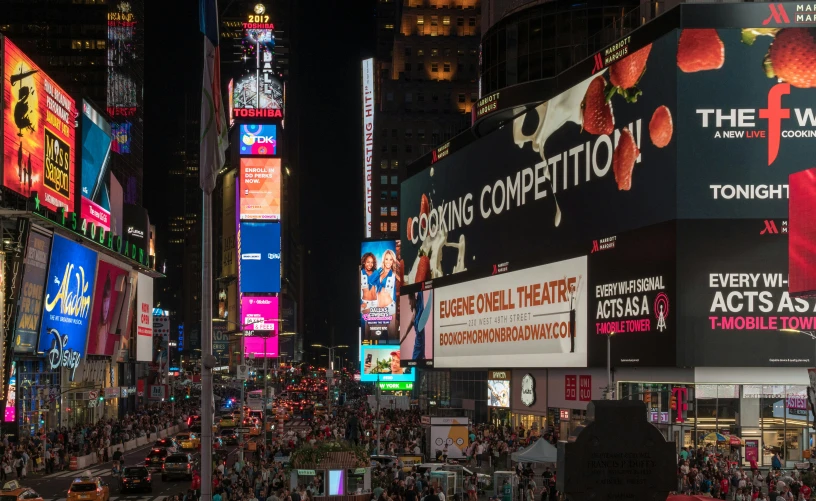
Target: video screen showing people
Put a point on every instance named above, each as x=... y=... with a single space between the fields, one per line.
x=380 y=279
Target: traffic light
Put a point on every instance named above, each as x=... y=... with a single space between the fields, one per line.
x=673 y=403
x=101 y=398
x=172 y=398
x=647 y=397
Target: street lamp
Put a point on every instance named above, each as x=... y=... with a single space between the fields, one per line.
x=331 y=368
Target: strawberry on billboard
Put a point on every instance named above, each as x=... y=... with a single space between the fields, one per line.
x=595 y=160
x=733 y=297
x=747 y=112
x=38 y=132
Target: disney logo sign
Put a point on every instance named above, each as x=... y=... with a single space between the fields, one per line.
x=58 y=356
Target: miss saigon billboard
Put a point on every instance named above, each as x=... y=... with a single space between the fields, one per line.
x=38 y=132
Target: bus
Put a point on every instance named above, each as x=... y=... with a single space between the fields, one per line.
x=255 y=400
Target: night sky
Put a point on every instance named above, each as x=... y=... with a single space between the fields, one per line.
x=333 y=38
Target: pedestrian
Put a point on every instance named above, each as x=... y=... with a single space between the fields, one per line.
x=18 y=465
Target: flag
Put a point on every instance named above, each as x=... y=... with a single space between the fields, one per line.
x=213 y=147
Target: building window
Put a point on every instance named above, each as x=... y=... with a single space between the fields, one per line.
x=389 y=96
x=420 y=52
x=435 y=98
x=409 y=97
x=407 y=52
x=395 y=164
x=434 y=52
x=383 y=226
x=383 y=196
x=460 y=67
x=460 y=52
x=460 y=21
x=383 y=180
x=461 y=97
x=384 y=148
x=446 y=20
x=394 y=227
x=420 y=67
x=434 y=67
x=473 y=97
x=408 y=133
x=383 y=164
x=394 y=211
x=446 y=67
x=389 y=26
x=472 y=52
x=394 y=180
x=383 y=211
x=420 y=97
x=434 y=20
x=394 y=133
x=472 y=22
x=407 y=67
x=393 y=148
x=420 y=19
x=394 y=196
x=408 y=148
x=421 y=133
x=447 y=52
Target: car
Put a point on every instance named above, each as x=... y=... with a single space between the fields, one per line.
x=188 y=440
x=13 y=491
x=193 y=419
x=155 y=458
x=196 y=428
x=135 y=478
x=167 y=443
x=177 y=465
x=88 y=487
x=227 y=422
x=229 y=436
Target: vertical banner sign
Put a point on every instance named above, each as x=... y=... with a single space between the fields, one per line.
x=161 y=346
x=29 y=309
x=368 y=138
x=144 y=315
x=67 y=306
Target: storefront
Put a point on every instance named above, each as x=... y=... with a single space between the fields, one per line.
x=528 y=402
x=569 y=391
x=733 y=410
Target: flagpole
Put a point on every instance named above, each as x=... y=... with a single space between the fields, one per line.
x=206 y=351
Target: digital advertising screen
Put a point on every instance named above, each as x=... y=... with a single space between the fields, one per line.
x=110 y=302
x=258 y=139
x=802 y=233
x=96 y=154
x=261 y=312
x=11 y=395
x=382 y=363
x=137 y=229
x=379 y=282
x=38 y=132
x=121 y=137
x=144 y=314
x=260 y=189
x=67 y=307
x=416 y=329
x=734 y=298
x=260 y=255
x=260 y=345
x=523 y=318
x=29 y=310
x=498 y=393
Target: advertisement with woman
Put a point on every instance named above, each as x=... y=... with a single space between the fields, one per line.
x=110 y=303
x=380 y=280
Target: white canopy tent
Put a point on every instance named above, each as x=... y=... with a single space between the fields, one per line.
x=540 y=452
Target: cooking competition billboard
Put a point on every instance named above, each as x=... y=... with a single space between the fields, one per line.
x=67 y=305
x=38 y=132
x=260 y=188
x=380 y=276
x=736 y=309
x=534 y=317
x=416 y=329
x=573 y=169
x=632 y=283
x=746 y=116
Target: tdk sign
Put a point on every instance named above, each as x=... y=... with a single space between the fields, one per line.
x=258 y=139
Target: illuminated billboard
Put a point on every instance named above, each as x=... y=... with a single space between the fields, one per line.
x=260 y=188
x=29 y=311
x=67 y=306
x=121 y=47
x=259 y=91
x=96 y=149
x=110 y=304
x=379 y=282
x=368 y=139
x=259 y=259
x=498 y=389
x=416 y=329
x=38 y=132
x=261 y=346
x=382 y=363
x=258 y=139
x=260 y=312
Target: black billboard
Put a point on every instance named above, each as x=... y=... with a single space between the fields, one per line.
x=574 y=169
x=137 y=230
x=733 y=302
x=742 y=131
x=632 y=289
x=32 y=289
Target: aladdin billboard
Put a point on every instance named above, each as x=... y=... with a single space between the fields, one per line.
x=38 y=132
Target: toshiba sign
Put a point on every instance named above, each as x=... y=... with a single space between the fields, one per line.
x=525 y=318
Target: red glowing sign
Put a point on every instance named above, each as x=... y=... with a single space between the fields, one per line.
x=570 y=387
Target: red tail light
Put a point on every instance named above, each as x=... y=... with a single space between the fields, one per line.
x=164 y=466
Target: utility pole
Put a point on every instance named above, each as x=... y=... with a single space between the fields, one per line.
x=377 y=418
x=265 y=394
x=331 y=368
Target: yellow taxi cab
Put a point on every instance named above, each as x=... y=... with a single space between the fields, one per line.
x=188 y=440
x=88 y=488
x=13 y=491
x=227 y=422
